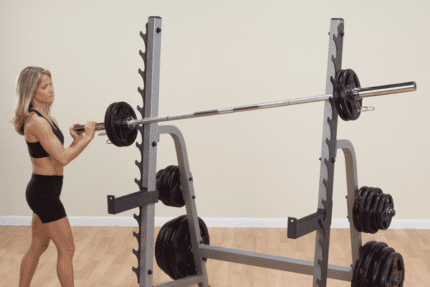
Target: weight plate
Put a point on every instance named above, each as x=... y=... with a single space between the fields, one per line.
x=336 y=95
x=183 y=256
x=347 y=106
x=370 y=200
x=361 y=280
x=358 y=263
x=393 y=271
x=170 y=246
x=370 y=262
x=377 y=271
x=180 y=228
x=109 y=125
x=398 y=270
x=162 y=187
x=175 y=194
x=373 y=224
x=343 y=95
x=356 y=207
x=120 y=114
x=385 y=216
x=361 y=212
x=381 y=210
x=160 y=245
x=113 y=125
x=167 y=248
x=167 y=182
x=354 y=106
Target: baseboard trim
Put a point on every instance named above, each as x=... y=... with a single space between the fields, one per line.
x=210 y=222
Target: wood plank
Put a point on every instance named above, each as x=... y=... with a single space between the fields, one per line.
x=104 y=256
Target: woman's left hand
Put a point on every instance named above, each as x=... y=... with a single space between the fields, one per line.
x=76 y=136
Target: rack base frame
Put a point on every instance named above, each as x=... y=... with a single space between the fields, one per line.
x=147 y=196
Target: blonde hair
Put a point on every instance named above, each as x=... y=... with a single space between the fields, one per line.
x=26 y=86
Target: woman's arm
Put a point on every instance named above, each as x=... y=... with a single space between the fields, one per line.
x=49 y=141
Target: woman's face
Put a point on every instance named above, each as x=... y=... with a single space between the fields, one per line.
x=45 y=90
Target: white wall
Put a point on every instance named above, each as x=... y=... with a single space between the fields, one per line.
x=218 y=54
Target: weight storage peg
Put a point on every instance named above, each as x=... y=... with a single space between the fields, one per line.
x=120 y=119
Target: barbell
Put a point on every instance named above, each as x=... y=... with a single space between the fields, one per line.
x=120 y=118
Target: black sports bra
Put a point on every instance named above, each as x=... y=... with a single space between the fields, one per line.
x=35 y=149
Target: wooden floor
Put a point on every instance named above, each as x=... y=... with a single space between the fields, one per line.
x=104 y=256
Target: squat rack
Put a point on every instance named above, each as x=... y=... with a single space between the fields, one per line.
x=147 y=195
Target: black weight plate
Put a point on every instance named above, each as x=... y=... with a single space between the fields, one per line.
x=170 y=246
x=109 y=124
x=373 y=224
x=125 y=135
x=392 y=271
x=173 y=247
x=176 y=196
x=358 y=263
x=167 y=245
x=161 y=243
x=161 y=186
x=398 y=270
x=204 y=233
x=374 y=210
x=380 y=209
x=370 y=199
x=356 y=207
x=158 y=245
x=113 y=124
x=176 y=273
x=166 y=180
x=377 y=271
x=337 y=89
x=353 y=106
x=343 y=91
x=370 y=262
x=361 y=212
x=184 y=256
x=172 y=189
x=362 y=280
x=370 y=221
x=168 y=185
x=385 y=217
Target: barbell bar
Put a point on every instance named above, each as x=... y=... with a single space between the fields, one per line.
x=358 y=93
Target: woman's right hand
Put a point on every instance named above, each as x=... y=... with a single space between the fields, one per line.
x=90 y=130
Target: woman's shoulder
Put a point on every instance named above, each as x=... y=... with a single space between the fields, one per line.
x=28 y=124
x=32 y=120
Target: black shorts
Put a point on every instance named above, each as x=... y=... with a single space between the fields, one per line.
x=43 y=196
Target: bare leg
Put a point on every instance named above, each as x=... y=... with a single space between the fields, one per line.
x=28 y=266
x=61 y=234
x=65 y=270
x=39 y=243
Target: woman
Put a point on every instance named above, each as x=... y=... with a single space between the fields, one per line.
x=45 y=142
